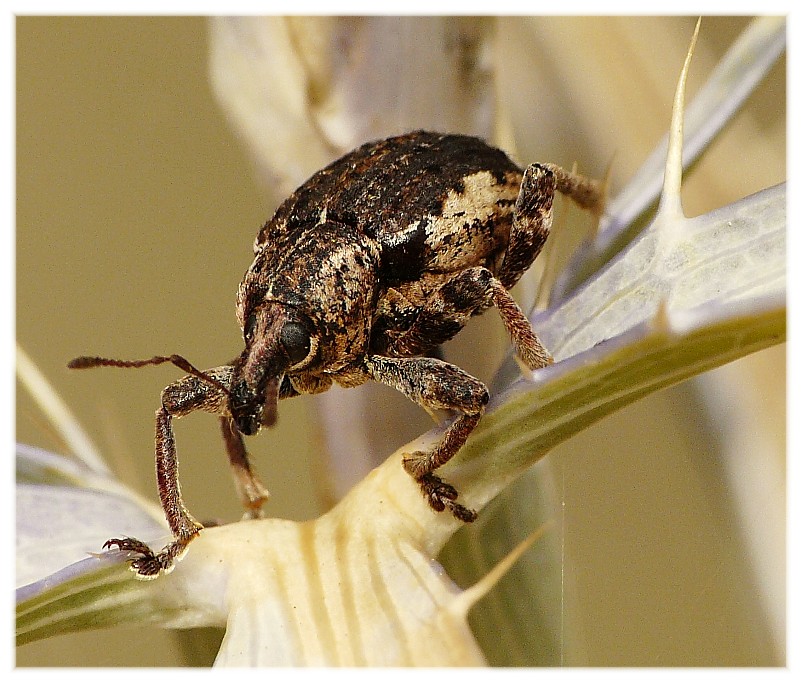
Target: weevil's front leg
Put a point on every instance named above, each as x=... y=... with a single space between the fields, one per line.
x=183 y=526
x=435 y=384
x=249 y=487
x=252 y=492
x=180 y=398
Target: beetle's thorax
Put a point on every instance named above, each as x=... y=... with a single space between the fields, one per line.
x=328 y=276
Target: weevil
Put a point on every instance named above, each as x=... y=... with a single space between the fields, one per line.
x=361 y=274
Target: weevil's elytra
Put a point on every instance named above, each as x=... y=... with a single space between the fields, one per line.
x=369 y=266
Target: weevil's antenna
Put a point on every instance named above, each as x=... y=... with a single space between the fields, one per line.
x=87 y=362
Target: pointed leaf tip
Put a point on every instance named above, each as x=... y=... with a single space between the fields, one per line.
x=670 y=203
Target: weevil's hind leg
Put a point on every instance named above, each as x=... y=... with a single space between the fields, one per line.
x=434 y=384
x=588 y=193
x=533 y=214
x=531 y=223
x=452 y=305
x=527 y=344
x=250 y=489
x=476 y=289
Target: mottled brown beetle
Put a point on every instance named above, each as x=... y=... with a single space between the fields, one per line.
x=361 y=274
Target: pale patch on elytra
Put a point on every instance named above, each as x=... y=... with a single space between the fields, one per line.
x=481 y=195
x=475 y=221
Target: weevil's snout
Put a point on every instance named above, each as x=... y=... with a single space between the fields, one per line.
x=258 y=372
x=252 y=410
x=275 y=340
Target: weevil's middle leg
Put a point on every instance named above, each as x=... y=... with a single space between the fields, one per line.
x=435 y=384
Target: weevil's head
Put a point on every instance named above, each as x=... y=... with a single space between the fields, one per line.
x=278 y=339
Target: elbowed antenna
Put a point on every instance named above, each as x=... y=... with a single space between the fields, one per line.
x=88 y=361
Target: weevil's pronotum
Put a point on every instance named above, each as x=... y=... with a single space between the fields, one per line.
x=361 y=274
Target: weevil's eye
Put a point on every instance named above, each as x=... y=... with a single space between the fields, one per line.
x=296 y=341
x=250 y=326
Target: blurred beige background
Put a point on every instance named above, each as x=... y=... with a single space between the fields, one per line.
x=136 y=211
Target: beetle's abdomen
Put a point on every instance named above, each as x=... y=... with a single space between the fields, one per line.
x=423 y=197
x=470 y=227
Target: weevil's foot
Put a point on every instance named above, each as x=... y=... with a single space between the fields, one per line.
x=442 y=496
x=128 y=545
x=253 y=514
x=150 y=564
